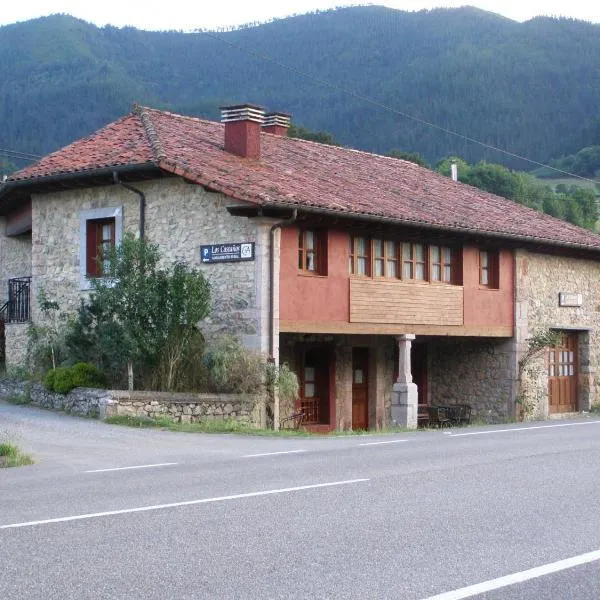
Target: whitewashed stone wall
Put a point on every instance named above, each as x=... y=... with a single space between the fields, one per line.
x=180 y=217
x=539 y=280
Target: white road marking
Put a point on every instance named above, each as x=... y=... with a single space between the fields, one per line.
x=273 y=453
x=134 y=467
x=381 y=443
x=522 y=429
x=500 y=582
x=186 y=503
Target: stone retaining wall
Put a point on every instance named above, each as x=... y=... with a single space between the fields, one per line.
x=181 y=408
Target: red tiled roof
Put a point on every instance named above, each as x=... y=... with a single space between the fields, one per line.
x=307 y=175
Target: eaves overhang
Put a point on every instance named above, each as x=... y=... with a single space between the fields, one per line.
x=457 y=228
x=12 y=192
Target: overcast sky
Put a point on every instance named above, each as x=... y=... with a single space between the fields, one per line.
x=196 y=14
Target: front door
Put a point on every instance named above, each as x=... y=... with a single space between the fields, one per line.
x=360 y=388
x=314 y=386
x=562 y=375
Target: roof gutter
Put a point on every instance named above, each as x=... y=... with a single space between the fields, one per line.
x=10 y=186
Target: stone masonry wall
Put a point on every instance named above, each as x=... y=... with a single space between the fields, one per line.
x=15 y=258
x=180 y=408
x=539 y=280
x=474 y=371
x=179 y=218
x=16 y=344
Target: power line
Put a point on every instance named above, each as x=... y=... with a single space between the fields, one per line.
x=17 y=154
x=352 y=93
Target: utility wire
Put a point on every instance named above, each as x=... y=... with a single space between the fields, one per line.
x=368 y=100
x=16 y=154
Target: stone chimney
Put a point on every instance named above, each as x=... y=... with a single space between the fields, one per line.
x=276 y=123
x=242 y=129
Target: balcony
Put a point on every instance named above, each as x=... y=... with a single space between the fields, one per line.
x=18 y=307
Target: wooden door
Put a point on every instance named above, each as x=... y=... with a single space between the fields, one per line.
x=360 y=388
x=562 y=375
x=314 y=386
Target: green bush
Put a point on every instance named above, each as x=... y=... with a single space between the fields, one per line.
x=233 y=368
x=64 y=379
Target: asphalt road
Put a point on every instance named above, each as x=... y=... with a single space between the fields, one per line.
x=501 y=512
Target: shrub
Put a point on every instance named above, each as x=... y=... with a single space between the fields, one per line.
x=233 y=368
x=64 y=379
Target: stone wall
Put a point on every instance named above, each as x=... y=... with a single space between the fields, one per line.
x=81 y=401
x=540 y=278
x=480 y=372
x=15 y=258
x=180 y=217
x=189 y=408
x=16 y=344
x=180 y=408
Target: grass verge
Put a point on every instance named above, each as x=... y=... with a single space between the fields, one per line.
x=225 y=426
x=18 y=399
x=11 y=456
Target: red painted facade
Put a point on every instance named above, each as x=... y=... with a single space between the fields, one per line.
x=307 y=297
x=311 y=298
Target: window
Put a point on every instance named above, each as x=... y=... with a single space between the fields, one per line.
x=414 y=262
x=359 y=256
x=441 y=264
x=100 y=238
x=408 y=261
x=488 y=269
x=312 y=252
x=100 y=230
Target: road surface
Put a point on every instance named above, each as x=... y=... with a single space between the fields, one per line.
x=498 y=512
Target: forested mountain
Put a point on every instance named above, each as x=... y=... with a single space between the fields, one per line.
x=533 y=88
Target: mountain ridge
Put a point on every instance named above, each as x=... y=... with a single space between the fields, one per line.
x=532 y=88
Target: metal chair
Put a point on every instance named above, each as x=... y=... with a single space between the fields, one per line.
x=438 y=417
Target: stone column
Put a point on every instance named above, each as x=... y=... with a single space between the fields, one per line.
x=404 y=392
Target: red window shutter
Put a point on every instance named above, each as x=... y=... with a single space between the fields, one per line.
x=92 y=266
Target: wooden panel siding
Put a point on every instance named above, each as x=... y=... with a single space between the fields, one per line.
x=399 y=302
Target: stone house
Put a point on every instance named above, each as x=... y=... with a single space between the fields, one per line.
x=386 y=287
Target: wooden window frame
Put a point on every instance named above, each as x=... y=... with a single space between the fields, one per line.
x=385 y=258
x=355 y=257
x=412 y=260
x=489 y=269
x=319 y=252
x=443 y=265
x=96 y=244
x=398 y=257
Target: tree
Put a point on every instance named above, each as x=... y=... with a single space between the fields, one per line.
x=323 y=137
x=140 y=315
x=413 y=157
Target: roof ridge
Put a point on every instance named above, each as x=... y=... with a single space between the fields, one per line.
x=144 y=114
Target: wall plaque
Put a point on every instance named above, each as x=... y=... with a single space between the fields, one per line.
x=228 y=252
x=566 y=299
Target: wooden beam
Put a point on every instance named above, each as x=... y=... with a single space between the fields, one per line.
x=345 y=328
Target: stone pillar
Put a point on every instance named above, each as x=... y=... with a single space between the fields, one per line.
x=404 y=392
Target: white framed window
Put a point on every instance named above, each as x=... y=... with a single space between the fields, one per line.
x=99 y=230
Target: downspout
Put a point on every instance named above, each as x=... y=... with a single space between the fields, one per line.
x=142 y=202
x=279 y=225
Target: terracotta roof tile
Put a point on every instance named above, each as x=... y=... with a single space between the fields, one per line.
x=305 y=174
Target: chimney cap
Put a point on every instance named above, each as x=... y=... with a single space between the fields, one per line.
x=242 y=112
x=277 y=118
